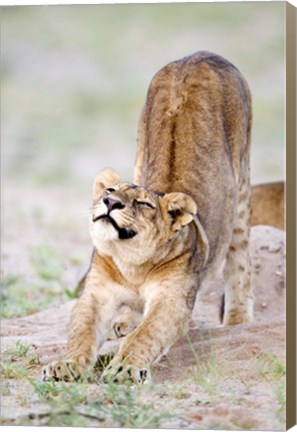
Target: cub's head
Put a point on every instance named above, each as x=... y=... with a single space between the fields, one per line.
x=125 y=213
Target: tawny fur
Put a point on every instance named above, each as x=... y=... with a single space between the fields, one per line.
x=268 y=204
x=161 y=241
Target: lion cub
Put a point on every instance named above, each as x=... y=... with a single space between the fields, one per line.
x=158 y=240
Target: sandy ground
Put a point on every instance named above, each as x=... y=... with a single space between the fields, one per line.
x=215 y=378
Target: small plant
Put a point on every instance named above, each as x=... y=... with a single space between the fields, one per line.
x=207 y=372
x=274 y=373
x=72 y=404
x=21 y=297
x=8 y=280
x=66 y=402
x=17 y=363
x=72 y=294
x=45 y=390
x=20 y=351
x=21 y=348
x=13 y=370
x=129 y=407
x=102 y=362
x=180 y=390
x=7 y=283
x=281 y=397
x=270 y=367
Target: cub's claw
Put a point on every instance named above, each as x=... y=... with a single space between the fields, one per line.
x=122 y=374
x=62 y=370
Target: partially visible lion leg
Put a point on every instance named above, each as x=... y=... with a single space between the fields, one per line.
x=238 y=304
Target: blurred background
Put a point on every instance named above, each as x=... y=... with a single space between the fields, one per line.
x=74 y=80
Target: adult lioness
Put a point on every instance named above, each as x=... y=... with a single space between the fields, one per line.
x=158 y=240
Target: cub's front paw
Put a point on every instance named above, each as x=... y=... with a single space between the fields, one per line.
x=124 y=373
x=62 y=370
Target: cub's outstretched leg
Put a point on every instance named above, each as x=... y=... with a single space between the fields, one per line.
x=238 y=307
x=90 y=323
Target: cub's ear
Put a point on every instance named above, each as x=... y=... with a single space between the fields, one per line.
x=105 y=179
x=181 y=208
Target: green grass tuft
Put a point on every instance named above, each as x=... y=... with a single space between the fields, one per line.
x=207 y=372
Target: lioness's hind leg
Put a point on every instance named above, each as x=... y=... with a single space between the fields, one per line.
x=238 y=307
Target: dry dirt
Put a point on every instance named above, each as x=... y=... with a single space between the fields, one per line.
x=215 y=378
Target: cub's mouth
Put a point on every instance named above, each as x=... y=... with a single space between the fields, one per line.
x=124 y=233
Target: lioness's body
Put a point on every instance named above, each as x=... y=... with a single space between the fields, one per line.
x=268 y=204
x=158 y=242
x=194 y=137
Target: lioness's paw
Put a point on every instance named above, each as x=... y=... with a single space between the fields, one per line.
x=122 y=374
x=62 y=370
x=238 y=316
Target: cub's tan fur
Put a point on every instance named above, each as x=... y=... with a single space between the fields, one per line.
x=158 y=240
x=268 y=204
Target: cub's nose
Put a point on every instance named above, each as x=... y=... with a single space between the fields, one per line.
x=113 y=204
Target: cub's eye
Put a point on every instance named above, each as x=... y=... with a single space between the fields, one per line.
x=145 y=204
x=109 y=190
